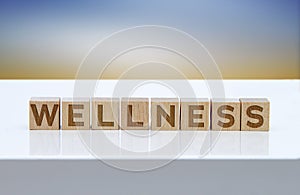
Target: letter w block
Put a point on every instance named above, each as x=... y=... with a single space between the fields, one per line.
x=44 y=113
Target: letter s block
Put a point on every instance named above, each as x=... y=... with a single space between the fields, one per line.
x=44 y=113
x=255 y=114
x=225 y=114
x=76 y=114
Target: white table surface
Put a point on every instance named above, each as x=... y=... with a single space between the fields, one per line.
x=281 y=142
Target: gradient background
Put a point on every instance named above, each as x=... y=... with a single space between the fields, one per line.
x=254 y=39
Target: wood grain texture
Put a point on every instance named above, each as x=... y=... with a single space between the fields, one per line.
x=44 y=113
x=135 y=113
x=75 y=114
x=105 y=113
x=165 y=114
x=225 y=114
x=195 y=113
x=255 y=114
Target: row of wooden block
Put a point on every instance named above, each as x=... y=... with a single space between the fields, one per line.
x=166 y=114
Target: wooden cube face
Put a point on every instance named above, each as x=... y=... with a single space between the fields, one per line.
x=255 y=114
x=135 y=113
x=195 y=114
x=44 y=113
x=76 y=114
x=165 y=114
x=105 y=113
x=225 y=114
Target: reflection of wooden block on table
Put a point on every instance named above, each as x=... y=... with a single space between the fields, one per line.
x=135 y=113
x=75 y=114
x=195 y=113
x=105 y=113
x=44 y=113
x=225 y=114
x=255 y=114
x=165 y=113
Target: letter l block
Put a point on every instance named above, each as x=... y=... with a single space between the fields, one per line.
x=134 y=113
x=105 y=113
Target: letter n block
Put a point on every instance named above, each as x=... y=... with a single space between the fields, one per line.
x=225 y=114
x=165 y=113
x=195 y=113
x=44 y=113
x=135 y=113
x=105 y=113
x=75 y=114
x=255 y=114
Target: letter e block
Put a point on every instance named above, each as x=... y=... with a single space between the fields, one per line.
x=44 y=113
x=195 y=113
x=76 y=114
x=105 y=113
x=225 y=114
x=165 y=113
x=135 y=113
x=255 y=114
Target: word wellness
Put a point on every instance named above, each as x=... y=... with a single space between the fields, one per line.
x=246 y=114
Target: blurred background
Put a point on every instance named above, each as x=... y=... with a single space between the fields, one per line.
x=249 y=39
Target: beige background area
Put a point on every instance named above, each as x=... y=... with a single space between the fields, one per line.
x=61 y=60
x=169 y=67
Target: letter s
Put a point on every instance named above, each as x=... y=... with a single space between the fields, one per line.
x=255 y=116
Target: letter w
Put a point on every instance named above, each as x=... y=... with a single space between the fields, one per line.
x=44 y=111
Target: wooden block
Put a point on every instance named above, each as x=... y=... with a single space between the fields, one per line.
x=255 y=114
x=44 y=113
x=75 y=114
x=165 y=114
x=194 y=113
x=105 y=113
x=225 y=114
x=135 y=113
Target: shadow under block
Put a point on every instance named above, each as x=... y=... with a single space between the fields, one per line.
x=225 y=114
x=105 y=113
x=75 y=114
x=255 y=114
x=44 y=113
x=165 y=114
x=135 y=113
x=195 y=113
